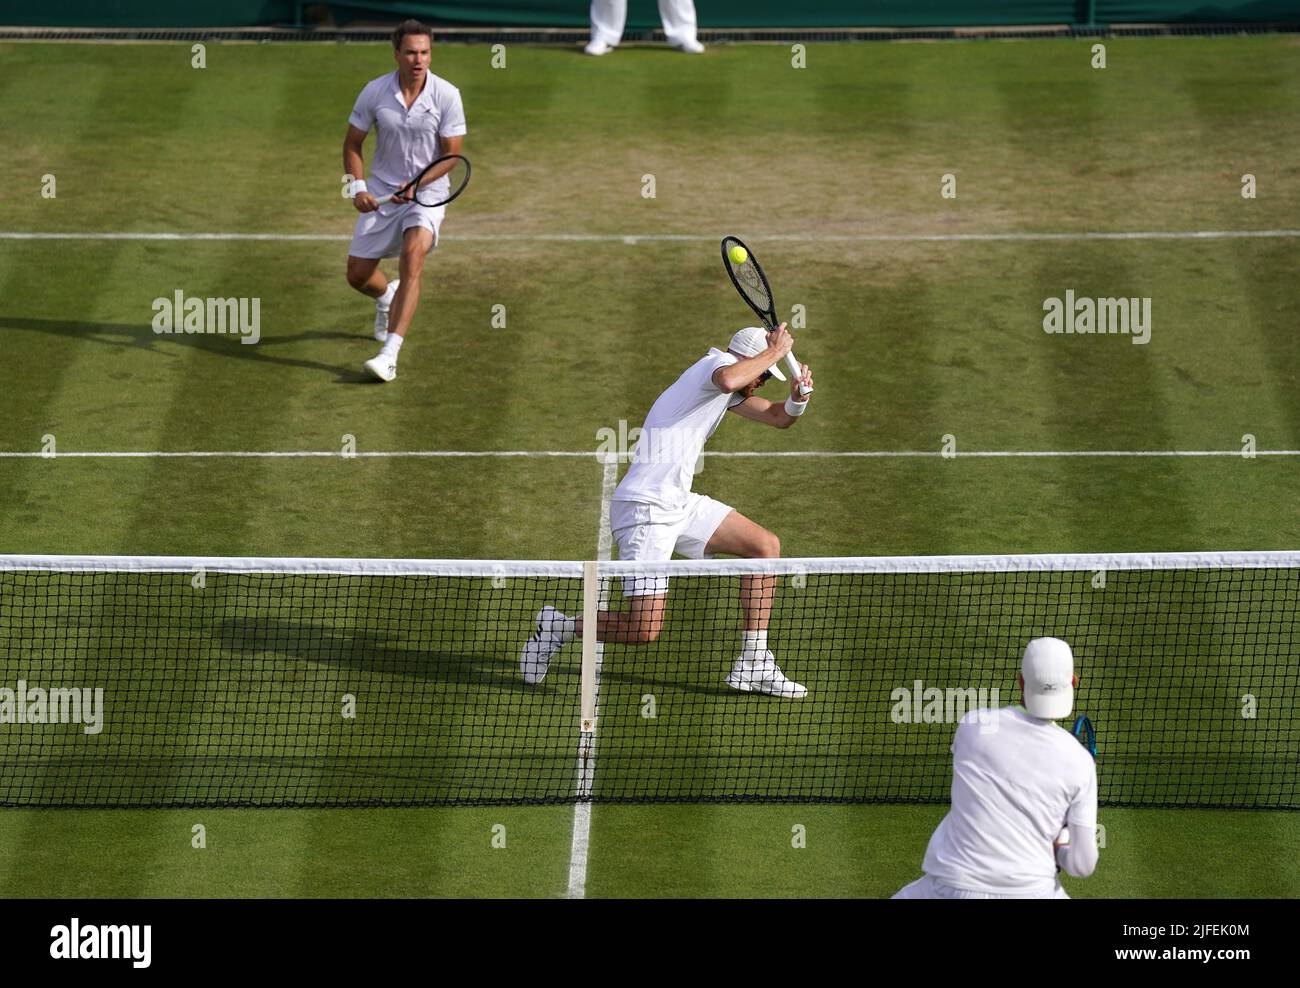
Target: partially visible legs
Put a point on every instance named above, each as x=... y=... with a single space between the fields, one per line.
x=680 y=28
x=401 y=298
x=364 y=275
x=416 y=244
x=738 y=536
x=697 y=533
x=607 y=20
x=756 y=670
x=642 y=533
x=640 y=624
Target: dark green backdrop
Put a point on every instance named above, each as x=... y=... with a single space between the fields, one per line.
x=644 y=14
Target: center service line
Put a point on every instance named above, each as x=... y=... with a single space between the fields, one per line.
x=577 y=888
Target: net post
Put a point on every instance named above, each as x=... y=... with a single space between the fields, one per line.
x=590 y=610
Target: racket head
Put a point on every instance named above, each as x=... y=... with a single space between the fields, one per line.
x=750 y=281
x=1086 y=735
x=443 y=190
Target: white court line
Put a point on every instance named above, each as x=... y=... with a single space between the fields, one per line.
x=577 y=888
x=638 y=238
x=570 y=453
x=308 y=453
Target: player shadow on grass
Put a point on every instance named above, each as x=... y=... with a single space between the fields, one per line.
x=667 y=682
x=368 y=652
x=130 y=336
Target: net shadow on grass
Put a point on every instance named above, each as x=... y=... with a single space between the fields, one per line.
x=367 y=653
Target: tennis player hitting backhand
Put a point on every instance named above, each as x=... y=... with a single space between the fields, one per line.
x=417 y=117
x=1018 y=779
x=654 y=511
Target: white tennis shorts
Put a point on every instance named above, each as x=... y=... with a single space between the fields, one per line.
x=926 y=887
x=379 y=234
x=650 y=533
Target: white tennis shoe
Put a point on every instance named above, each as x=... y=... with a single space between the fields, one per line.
x=381 y=316
x=595 y=47
x=691 y=47
x=763 y=676
x=383 y=367
x=535 y=659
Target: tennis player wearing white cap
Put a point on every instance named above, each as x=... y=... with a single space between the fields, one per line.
x=654 y=512
x=1018 y=780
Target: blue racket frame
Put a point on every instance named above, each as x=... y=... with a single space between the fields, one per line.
x=1083 y=730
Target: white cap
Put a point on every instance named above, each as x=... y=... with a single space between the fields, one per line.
x=750 y=342
x=1048 y=668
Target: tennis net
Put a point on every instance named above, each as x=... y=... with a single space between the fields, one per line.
x=169 y=681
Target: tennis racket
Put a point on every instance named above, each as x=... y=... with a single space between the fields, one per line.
x=1087 y=737
x=1082 y=730
x=429 y=191
x=751 y=282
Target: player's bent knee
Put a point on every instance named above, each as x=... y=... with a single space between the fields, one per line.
x=769 y=546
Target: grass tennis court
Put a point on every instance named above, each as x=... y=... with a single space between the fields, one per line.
x=911 y=341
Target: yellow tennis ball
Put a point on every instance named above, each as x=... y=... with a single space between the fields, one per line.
x=738 y=254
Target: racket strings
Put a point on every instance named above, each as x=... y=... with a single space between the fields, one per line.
x=753 y=285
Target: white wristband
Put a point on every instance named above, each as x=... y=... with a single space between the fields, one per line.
x=795 y=408
x=358 y=185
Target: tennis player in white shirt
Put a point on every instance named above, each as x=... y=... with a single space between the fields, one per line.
x=654 y=511
x=1018 y=780
x=417 y=117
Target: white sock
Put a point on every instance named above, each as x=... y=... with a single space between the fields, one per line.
x=386 y=299
x=392 y=345
x=753 y=644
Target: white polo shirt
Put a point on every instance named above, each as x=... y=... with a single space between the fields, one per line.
x=1017 y=781
x=676 y=428
x=407 y=140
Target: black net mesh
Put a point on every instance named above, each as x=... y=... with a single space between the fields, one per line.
x=297 y=689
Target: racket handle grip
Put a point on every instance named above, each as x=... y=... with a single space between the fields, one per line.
x=383 y=199
x=793 y=366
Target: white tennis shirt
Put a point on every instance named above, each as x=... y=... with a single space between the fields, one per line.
x=676 y=428
x=1016 y=783
x=406 y=140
